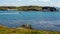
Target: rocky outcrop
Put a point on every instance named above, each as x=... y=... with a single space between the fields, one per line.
x=27 y=26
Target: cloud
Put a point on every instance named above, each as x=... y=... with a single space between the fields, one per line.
x=45 y=0
x=30 y=2
x=40 y=0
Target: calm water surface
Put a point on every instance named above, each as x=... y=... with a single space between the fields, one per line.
x=38 y=20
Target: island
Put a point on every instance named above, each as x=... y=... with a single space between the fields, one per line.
x=29 y=8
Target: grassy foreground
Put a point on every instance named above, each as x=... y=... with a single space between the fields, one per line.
x=5 y=30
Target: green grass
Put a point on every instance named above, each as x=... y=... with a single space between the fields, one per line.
x=5 y=30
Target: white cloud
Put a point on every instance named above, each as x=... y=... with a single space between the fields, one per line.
x=18 y=0
x=45 y=0
x=40 y=0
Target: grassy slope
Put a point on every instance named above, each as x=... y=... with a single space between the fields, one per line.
x=5 y=30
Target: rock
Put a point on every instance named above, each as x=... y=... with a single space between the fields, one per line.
x=27 y=26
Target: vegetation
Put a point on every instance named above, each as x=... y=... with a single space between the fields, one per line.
x=28 y=8
x=21 y=30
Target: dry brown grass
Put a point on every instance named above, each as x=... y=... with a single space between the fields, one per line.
x=4 y=30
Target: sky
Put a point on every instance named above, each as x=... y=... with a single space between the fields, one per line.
x=55 y=3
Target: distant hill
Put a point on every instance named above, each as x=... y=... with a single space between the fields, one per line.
x=21 y=30
x=29 y=8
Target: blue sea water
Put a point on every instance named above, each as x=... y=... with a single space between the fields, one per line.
x=38 y=20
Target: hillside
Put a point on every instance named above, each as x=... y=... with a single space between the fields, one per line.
x=29 y=8
x=21 y=30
